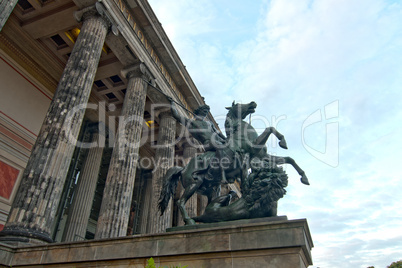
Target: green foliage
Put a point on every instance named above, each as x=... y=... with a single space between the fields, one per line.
x=396 y=264
x=151 y=264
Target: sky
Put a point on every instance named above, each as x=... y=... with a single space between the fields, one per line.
x=328 y=75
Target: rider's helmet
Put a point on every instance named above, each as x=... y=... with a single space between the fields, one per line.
x=202 y=110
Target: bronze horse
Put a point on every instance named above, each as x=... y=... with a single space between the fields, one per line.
x=242 y=143
x=242 y=136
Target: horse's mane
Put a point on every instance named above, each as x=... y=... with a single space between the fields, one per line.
x=231 y=122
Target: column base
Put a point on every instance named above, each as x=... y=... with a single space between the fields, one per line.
x=24 y=237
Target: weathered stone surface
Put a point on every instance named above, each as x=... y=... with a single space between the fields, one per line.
x=212 y=247
x=6 y=7
x=164 y=160
x=33 y=212
x=226 y=224
x=115 y=210
x=276 y=258
x=81 y=208
x=6 y=254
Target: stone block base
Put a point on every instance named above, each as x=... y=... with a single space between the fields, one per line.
x=265 y=243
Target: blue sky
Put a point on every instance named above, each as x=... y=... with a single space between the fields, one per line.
x=328 y=75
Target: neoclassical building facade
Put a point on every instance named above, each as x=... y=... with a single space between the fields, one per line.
x=86 y=133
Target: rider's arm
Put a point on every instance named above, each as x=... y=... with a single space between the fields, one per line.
x=183 y=120
x=218 y=132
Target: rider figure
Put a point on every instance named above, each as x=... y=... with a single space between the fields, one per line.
x=202 y=130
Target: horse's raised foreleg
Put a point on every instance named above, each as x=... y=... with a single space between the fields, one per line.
x=280 y=160
x=188 y=192
x=262 y=139
x=281 y=138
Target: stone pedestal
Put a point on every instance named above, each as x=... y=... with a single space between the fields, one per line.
x=246 y=243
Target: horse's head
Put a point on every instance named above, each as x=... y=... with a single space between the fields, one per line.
x=240 y=111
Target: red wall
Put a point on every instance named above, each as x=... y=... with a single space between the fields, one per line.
x=8 y=177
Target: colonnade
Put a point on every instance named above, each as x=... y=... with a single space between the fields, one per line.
x=33 y=212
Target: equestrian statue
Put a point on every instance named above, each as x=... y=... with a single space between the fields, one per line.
x=240 y=156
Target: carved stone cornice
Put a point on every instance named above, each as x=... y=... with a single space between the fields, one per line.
x=26 y=62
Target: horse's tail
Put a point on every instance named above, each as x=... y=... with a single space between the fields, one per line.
x=169 y=186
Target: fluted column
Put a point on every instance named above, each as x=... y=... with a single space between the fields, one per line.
x=145 y=206
x=164 y=159
x=33 y=211
x=6 y=7
x=115 y=209
x=191 y=205
x=80 y=210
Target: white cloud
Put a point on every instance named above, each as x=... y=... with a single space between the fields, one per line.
x=297 y=57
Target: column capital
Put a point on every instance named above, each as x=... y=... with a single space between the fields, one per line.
x=97 y=10
x=138 y=70
x=165 y=113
